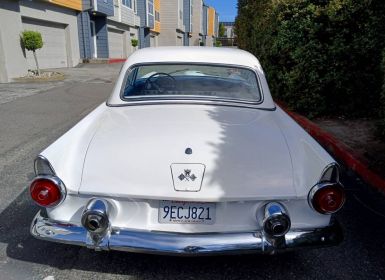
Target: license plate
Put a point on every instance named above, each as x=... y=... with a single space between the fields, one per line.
x=177 y=212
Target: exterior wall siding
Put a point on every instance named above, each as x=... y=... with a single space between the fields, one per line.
x=84 y=35
x=204 y=20
x=170 y=12
x=142 y=12
x=187 y=15
x=216 y=29
x=72 y=4
x=196 y=22
x=211 y=21
x=157 y=25
x=12 y=61
x=106 y=7
x=128 y=15
x=60 y=15
x=38 y=14
x=102 y=37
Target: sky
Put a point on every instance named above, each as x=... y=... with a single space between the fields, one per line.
x=227 y=9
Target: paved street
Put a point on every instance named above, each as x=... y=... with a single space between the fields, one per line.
x=33 y=115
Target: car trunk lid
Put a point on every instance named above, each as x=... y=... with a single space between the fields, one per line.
x=149 y=151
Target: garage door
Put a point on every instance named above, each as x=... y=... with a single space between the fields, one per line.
x=53 y=54
x=115 y=43
x=179 y=41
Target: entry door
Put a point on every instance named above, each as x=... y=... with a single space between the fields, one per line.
x=93 y=39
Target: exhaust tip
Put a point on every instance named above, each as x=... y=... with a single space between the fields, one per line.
x=95 y=216
x=276 y=221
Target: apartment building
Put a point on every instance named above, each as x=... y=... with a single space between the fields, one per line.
x=149 y=12
x=56 y=20
x=173 y=28
x=122 y=27
x=92 y=28
x=79 y=30
x=211 y=30
x=196 y=31
x=229 y=27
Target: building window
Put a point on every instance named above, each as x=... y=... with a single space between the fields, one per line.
x=127 y=3
x=180 y=14
x=151 y=8
x=157 y=16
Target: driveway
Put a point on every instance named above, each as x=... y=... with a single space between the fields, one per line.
x=34 y=115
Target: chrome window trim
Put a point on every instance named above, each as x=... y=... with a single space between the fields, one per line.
x=188 y=99
x=57 y=181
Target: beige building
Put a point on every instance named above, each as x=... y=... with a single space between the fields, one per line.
x=196 y=34
x=173 y=29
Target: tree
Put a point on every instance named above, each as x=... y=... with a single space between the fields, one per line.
x=32 y=41
x=222 y=30
x=322 y=57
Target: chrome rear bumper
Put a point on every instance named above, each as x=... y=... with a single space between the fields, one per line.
x=185 y=244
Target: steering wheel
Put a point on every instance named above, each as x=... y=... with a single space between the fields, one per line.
x=152 y=81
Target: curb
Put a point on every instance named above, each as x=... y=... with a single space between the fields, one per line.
x=116 y=60
x=339 y=149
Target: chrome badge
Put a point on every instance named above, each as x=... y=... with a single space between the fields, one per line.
x=187 y=177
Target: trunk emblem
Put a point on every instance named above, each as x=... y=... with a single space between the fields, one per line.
x=187 y=177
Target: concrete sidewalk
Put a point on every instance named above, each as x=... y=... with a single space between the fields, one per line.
x=84 y=73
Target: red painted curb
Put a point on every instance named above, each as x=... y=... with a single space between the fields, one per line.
x=116 y=60
x=340 y=150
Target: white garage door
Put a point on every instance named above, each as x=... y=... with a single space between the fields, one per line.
x=179 y=41
x=115 y=43
x=53 y=54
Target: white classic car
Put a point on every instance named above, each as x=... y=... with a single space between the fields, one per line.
x=189 y=155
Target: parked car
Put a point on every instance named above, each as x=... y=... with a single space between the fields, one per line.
x=189 y=155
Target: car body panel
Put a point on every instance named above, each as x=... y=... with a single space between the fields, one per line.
x=125 y=153
x=136 y=150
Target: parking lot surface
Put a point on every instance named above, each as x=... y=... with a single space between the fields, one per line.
x=31 y=120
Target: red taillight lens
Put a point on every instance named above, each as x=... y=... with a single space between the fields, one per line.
x=45 y=192
x=327 y=198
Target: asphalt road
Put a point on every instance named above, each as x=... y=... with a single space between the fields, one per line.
x=30 y=122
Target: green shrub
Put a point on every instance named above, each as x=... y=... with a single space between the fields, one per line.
x=218 y=43
x=134 y=42
x=32 y=41
x=322 y=57
x=201 y=44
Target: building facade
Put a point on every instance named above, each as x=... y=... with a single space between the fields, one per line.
x=55 y=20
x=196 y=22
x=173 y=28
x=92 y=26
x=122 y=28
x=80 y=30
x=149 y=13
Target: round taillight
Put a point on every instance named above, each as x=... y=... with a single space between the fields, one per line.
x=46 y=192
x=327 y=198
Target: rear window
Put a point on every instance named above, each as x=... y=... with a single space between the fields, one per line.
x=185 y=81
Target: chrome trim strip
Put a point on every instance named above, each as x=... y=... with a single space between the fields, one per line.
x=187 y=244
x=190 y=102
x=204 y=99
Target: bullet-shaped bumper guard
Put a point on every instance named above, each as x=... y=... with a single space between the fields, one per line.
x=170 y=243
